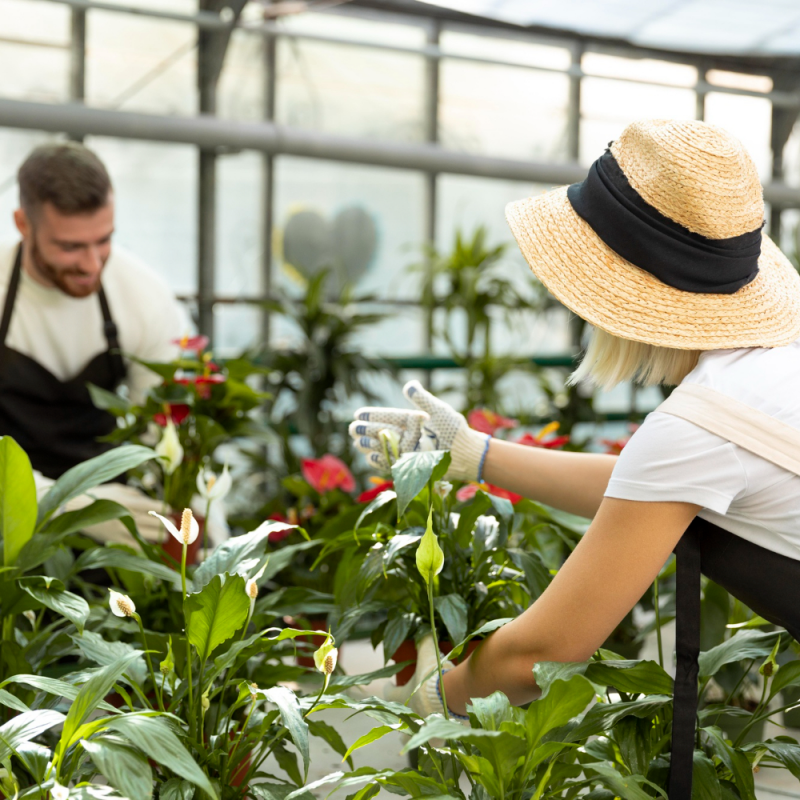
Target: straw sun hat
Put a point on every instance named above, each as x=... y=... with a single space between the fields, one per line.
x=662 y=243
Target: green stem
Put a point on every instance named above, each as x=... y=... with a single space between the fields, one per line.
x=438 y=654
x=190 y=717
x=149 y=662
x=205 y=527
x=752 y=721
x=658 y=624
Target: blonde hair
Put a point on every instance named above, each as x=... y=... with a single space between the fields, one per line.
x=610 y=360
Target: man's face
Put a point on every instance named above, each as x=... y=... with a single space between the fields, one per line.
x=68 y=251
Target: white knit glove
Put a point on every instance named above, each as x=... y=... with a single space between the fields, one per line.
x=423 y=688
x=435 y=425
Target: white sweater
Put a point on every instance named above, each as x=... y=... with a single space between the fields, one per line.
x=64 y=333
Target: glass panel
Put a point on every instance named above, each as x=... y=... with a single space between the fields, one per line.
x=506 y=49
x=14 y=148
x=141 y=64
x=354 y=91
x=155 y=190
x=401 y=332
x=34 y=51
x=640 y=69
x=351 y=27
x=503 y=111
x=179 y=6
x=747 y=118
x=367 y=221
x=237 y=327
x=607 y=106
x=239 y=227
x=240 y=91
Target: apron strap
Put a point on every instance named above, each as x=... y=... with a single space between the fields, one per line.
x=112 y=338
x=11 y=296
x=687 y=641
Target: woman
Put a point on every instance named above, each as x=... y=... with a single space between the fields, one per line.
x=661 y=250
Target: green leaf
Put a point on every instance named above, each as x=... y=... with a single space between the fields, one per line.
x=330 y=735
x=25 y=727
x=640 y=677
x=216 y=613
x=492 y=711
x=547 y=672
x=97 y=649
x=244 y=553
x=340 y=682
x=381 y=500
x=412 y=471
x=372 y=735
x=565 y=700
x=52 y=594
x=109 y=401
x=788 y=754
x=93 y=514
x=117 y=558
x=17 y=499
x=453 y=610
x=788 y=675
x=156 y=740
x=91 y=473
x=745 y=644
x=487 y=627
x=603 y=716
x=430 y=557
x=292 y=719
x=397 y=631
x=10 y=701
x=91 y=695
x=705 y=783
x=176 y=789
x=627 y=787
x=735 y=760
x=52 y=686
x=441 y=728
x=125 y=769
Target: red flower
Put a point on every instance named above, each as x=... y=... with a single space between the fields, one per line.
x=202 y=383
x=327 y=473
x=538 y=440
x=197 y=343
x=485 y=421
x=615 y=446
x=471 y=489
x=370 y=494
x=177 y=413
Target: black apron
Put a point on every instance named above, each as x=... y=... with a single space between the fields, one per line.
x=762 y=579
x=55 y=421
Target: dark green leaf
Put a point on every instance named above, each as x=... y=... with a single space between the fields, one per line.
x=287 y=704
x=109 y=401
x=564 y=700
x=52 y=686
x=640 y=677
x=52 y=594
x=177 y=789
x=397 y=630
x=216 y=613
x=735 y=760
x=378 y=502
x=330 y=735
x=603 y=716
x=787 y=753
x=25 y=727
x=93 y=514
x=705 y=783
x=412 y=471
x=91 y=473
x=125 y=769
x=745 y=644
x=117 y=558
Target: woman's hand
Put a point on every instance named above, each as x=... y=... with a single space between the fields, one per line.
x=619 y=556
x=433 y=425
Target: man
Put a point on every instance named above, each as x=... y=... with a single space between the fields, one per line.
x=73 y=312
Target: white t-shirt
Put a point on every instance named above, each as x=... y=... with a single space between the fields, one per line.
x=64 y=333
x=671 y=459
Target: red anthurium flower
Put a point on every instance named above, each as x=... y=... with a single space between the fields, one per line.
x=198 y=343
x=486 y=421
x=177 y=413
x=538 y=439
x=327 y=473
x=471 y=489
x=202 y=383
x=370 y=494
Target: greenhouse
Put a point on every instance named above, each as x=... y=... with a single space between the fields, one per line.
x=399 y=398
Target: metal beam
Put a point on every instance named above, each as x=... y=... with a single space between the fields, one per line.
x=211 y=132
x=77 y=59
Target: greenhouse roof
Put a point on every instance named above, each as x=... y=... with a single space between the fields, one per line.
x=719 y=27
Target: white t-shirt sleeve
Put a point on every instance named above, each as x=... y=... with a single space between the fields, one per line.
x=671 y=459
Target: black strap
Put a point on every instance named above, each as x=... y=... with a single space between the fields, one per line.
x=112 y=337
x=11 y=295
x=687 y=639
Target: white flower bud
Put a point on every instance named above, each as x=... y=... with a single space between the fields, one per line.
x=121 y=604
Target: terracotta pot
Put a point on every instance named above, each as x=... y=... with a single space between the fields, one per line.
x=408 y=652
x=173 y=548
x=314 y=640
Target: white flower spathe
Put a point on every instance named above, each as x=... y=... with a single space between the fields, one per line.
x=169 y=448
x=59 y=792
x=214 y=487
x=121 y=604
x=189 y=530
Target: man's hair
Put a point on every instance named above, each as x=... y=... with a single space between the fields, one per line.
x=610 y=360
x=66 y=174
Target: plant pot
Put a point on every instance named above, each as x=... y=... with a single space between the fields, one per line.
x=320 y=624
x=408 y=652
x=173 y=548
x=791 y=717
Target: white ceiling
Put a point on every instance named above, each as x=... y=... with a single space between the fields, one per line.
x=731 y=27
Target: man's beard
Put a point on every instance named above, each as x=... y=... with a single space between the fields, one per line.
x=58 y=276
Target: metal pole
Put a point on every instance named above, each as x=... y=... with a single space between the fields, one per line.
x=431 y=177
x=207 y=195
x=268 y=182
x=700 y=94
x=574 y=105
x=77 y=61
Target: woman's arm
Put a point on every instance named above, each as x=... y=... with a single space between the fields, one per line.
x=610 y=569
x=573 y=482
